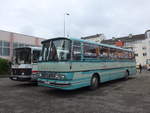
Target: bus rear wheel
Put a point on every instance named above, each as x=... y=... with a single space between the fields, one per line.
x=94 y=82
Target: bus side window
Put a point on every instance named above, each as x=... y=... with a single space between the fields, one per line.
x=126 y=55
x=112 y=53
x=120 y=54
x=36 y=55
x=131 y=55
x=90 y=50
x=104 y=51
x=76 y=54
x=45 y=50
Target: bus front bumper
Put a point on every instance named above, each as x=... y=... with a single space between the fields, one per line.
x=64 y=85
x=20 y=77
x=53 y=83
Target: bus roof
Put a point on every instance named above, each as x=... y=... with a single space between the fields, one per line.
x=31 y=47
x=90 y=42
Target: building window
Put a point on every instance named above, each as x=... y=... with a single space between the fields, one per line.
x=6 y=51
x=16 y=45
x=6 y=44
x=0 y=51
x=21 y=45
x=4 y=48
x=144 y=54
x=144 y=48
x=26 y=45
x=136 y=54
x=0 y=43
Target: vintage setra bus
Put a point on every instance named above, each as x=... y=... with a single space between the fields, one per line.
x=24 y=65
x=70 y=63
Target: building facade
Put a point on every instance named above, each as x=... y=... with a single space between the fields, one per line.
x=95 y=38
x=9 y=41
x=140 y=44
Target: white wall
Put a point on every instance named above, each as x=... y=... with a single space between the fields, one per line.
x=140 y=59
x=137 y=47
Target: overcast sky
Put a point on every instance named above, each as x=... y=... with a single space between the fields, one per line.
x=45 y=18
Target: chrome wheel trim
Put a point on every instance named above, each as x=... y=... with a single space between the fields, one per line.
x=94 y=82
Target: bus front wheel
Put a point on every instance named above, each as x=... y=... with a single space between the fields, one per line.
x=94 y=82
x=126 y=74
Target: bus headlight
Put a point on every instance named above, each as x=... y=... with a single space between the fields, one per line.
x=36 y=75
x=39 y=74
x=59 y=77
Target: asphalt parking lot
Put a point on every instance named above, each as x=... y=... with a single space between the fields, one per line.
x=117 y=96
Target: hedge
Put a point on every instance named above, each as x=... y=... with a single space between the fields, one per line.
x=4 y=66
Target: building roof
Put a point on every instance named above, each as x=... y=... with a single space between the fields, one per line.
x=21 y=34
x=92 y=36
x=125 y=39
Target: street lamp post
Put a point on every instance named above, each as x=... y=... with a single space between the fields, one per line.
x=65 y=23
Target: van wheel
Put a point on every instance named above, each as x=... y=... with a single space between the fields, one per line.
x=94 y=82
x=126 y=75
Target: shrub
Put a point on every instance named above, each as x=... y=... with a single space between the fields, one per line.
x=4 y=66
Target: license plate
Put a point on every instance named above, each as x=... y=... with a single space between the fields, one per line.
x=46 y=82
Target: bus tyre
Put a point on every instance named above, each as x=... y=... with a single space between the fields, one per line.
x=94 y=82
x=127 y=75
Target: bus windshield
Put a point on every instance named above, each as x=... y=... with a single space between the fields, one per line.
x=56 y=50
x=23 y=56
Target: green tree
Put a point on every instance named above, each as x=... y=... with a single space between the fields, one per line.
x=4 y=66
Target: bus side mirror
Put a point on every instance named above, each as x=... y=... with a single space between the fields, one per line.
x=40 y=58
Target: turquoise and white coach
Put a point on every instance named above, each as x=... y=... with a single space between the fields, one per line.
x=70 y=63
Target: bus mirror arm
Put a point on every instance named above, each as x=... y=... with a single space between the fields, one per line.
x=70 y=65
